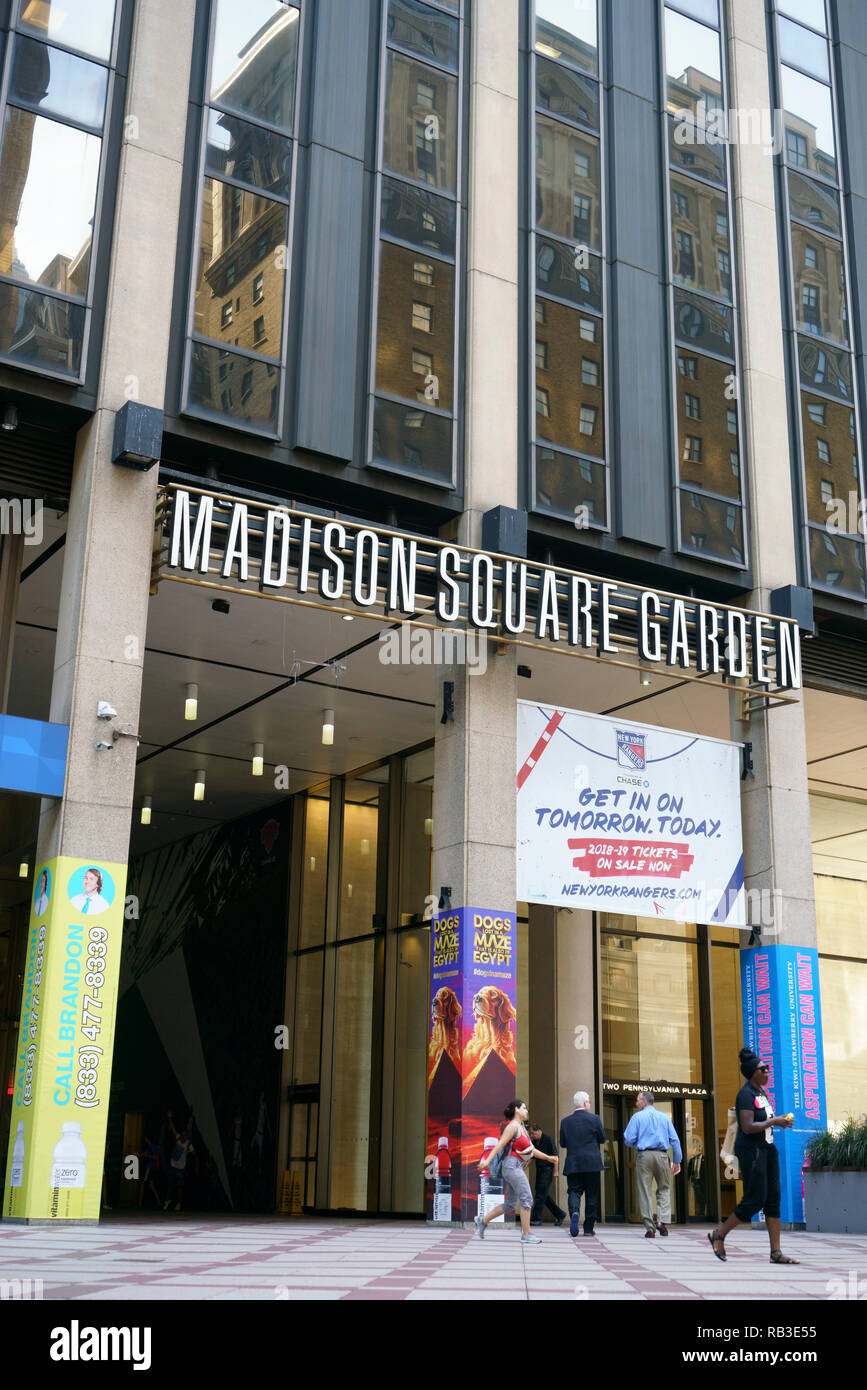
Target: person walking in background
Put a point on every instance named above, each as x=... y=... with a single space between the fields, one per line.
x=581 y=1133
x=759 y=1160
x=544 y=1177
x=150 y=1157
x=516 y=1189
x=177 y=1169
x=651 y=1134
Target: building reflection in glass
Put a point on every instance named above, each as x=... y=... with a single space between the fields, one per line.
x=49 y=174
x=238 y=349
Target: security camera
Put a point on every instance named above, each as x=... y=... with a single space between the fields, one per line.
x=103 y=747
x=105 y=711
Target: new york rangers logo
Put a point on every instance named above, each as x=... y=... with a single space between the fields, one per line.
x=630 y=750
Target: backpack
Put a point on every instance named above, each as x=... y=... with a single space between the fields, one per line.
x=495 y=1167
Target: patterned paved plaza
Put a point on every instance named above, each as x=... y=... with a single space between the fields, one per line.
x=272 y=1258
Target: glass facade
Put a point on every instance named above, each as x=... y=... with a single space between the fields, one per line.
x=821 y=346
x=414 y=405
x=237 y=345
x=840 y=882
x=703 y=292
x=566 y=259
x=650 y=1002
x=58 y=87
x=361 y=989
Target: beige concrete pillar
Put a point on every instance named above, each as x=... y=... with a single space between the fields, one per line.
x=107 y=557
x=99 y=656
x=775 y=806
x=492 y=265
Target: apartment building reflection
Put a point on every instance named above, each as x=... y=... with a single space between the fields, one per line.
x=243 y=243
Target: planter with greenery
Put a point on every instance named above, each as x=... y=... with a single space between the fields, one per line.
x=835 y=1183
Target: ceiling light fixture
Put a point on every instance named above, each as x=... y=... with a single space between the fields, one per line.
x=23 y=869
x=10 y=419
x=258 y=759
x=191 y=703
x=146 y=804
x=328 y=727
x=428 y=826
x=199 y=788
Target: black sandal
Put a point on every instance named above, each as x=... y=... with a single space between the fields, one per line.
x=716 y=1239
x=778 y=1258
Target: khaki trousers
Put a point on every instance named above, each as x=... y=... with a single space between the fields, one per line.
x=653 y=1166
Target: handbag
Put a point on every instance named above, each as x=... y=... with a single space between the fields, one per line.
x=727 y=1152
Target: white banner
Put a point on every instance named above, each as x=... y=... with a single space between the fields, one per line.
x=625 y=817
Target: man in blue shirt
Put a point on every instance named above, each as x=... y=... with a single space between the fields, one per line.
x=651 y=1133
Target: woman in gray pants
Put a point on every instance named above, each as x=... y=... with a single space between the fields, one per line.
x=516 y=1188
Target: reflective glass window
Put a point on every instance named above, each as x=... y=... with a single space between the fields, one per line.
x=814 y=202
x=58 y=83
x=567 y=200
x=236 y=149
x=809 y=124
x=696 y=151
x=564 y=483
x=413 y=214
x=240 y=233
x=40 y=331
x=825 y=368
x=567 y=274
x=820 y=291
x=401 y=334
x=226 y=386
x=365 y=800
x=692 y=66
x=314 y=874
x=837 y=562
x=703 y=408
x=566 y=30
x=703 y=324
x=650 y=1008
x=254 y=54
x=413 y=439
x=575 y=418
x=843 y=986
x=711 y=527
x=83 y=24
x=420 y=138
x=350 y=1095
x=705 y=10
x=803 y=48
x=829 y=442
x=48 y=181
x=427 y=32
x=810 y=12
x=699 y=221
x=566 y=94
x=417 y=835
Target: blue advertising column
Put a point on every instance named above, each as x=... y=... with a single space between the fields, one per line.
x=783 y=1025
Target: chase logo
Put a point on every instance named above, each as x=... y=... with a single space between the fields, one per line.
x=630 y=750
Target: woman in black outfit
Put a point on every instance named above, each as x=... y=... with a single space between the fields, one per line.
x=758 y=1159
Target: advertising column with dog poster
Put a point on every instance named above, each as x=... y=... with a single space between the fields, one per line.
x=471 y=1054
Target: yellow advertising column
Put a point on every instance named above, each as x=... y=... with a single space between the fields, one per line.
x=65 y=1041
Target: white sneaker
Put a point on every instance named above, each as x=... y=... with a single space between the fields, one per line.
x=479 y=1223
x=531 y=1240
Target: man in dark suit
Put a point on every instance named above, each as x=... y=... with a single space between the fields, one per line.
x=581 y=1133
x=544 y=1177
